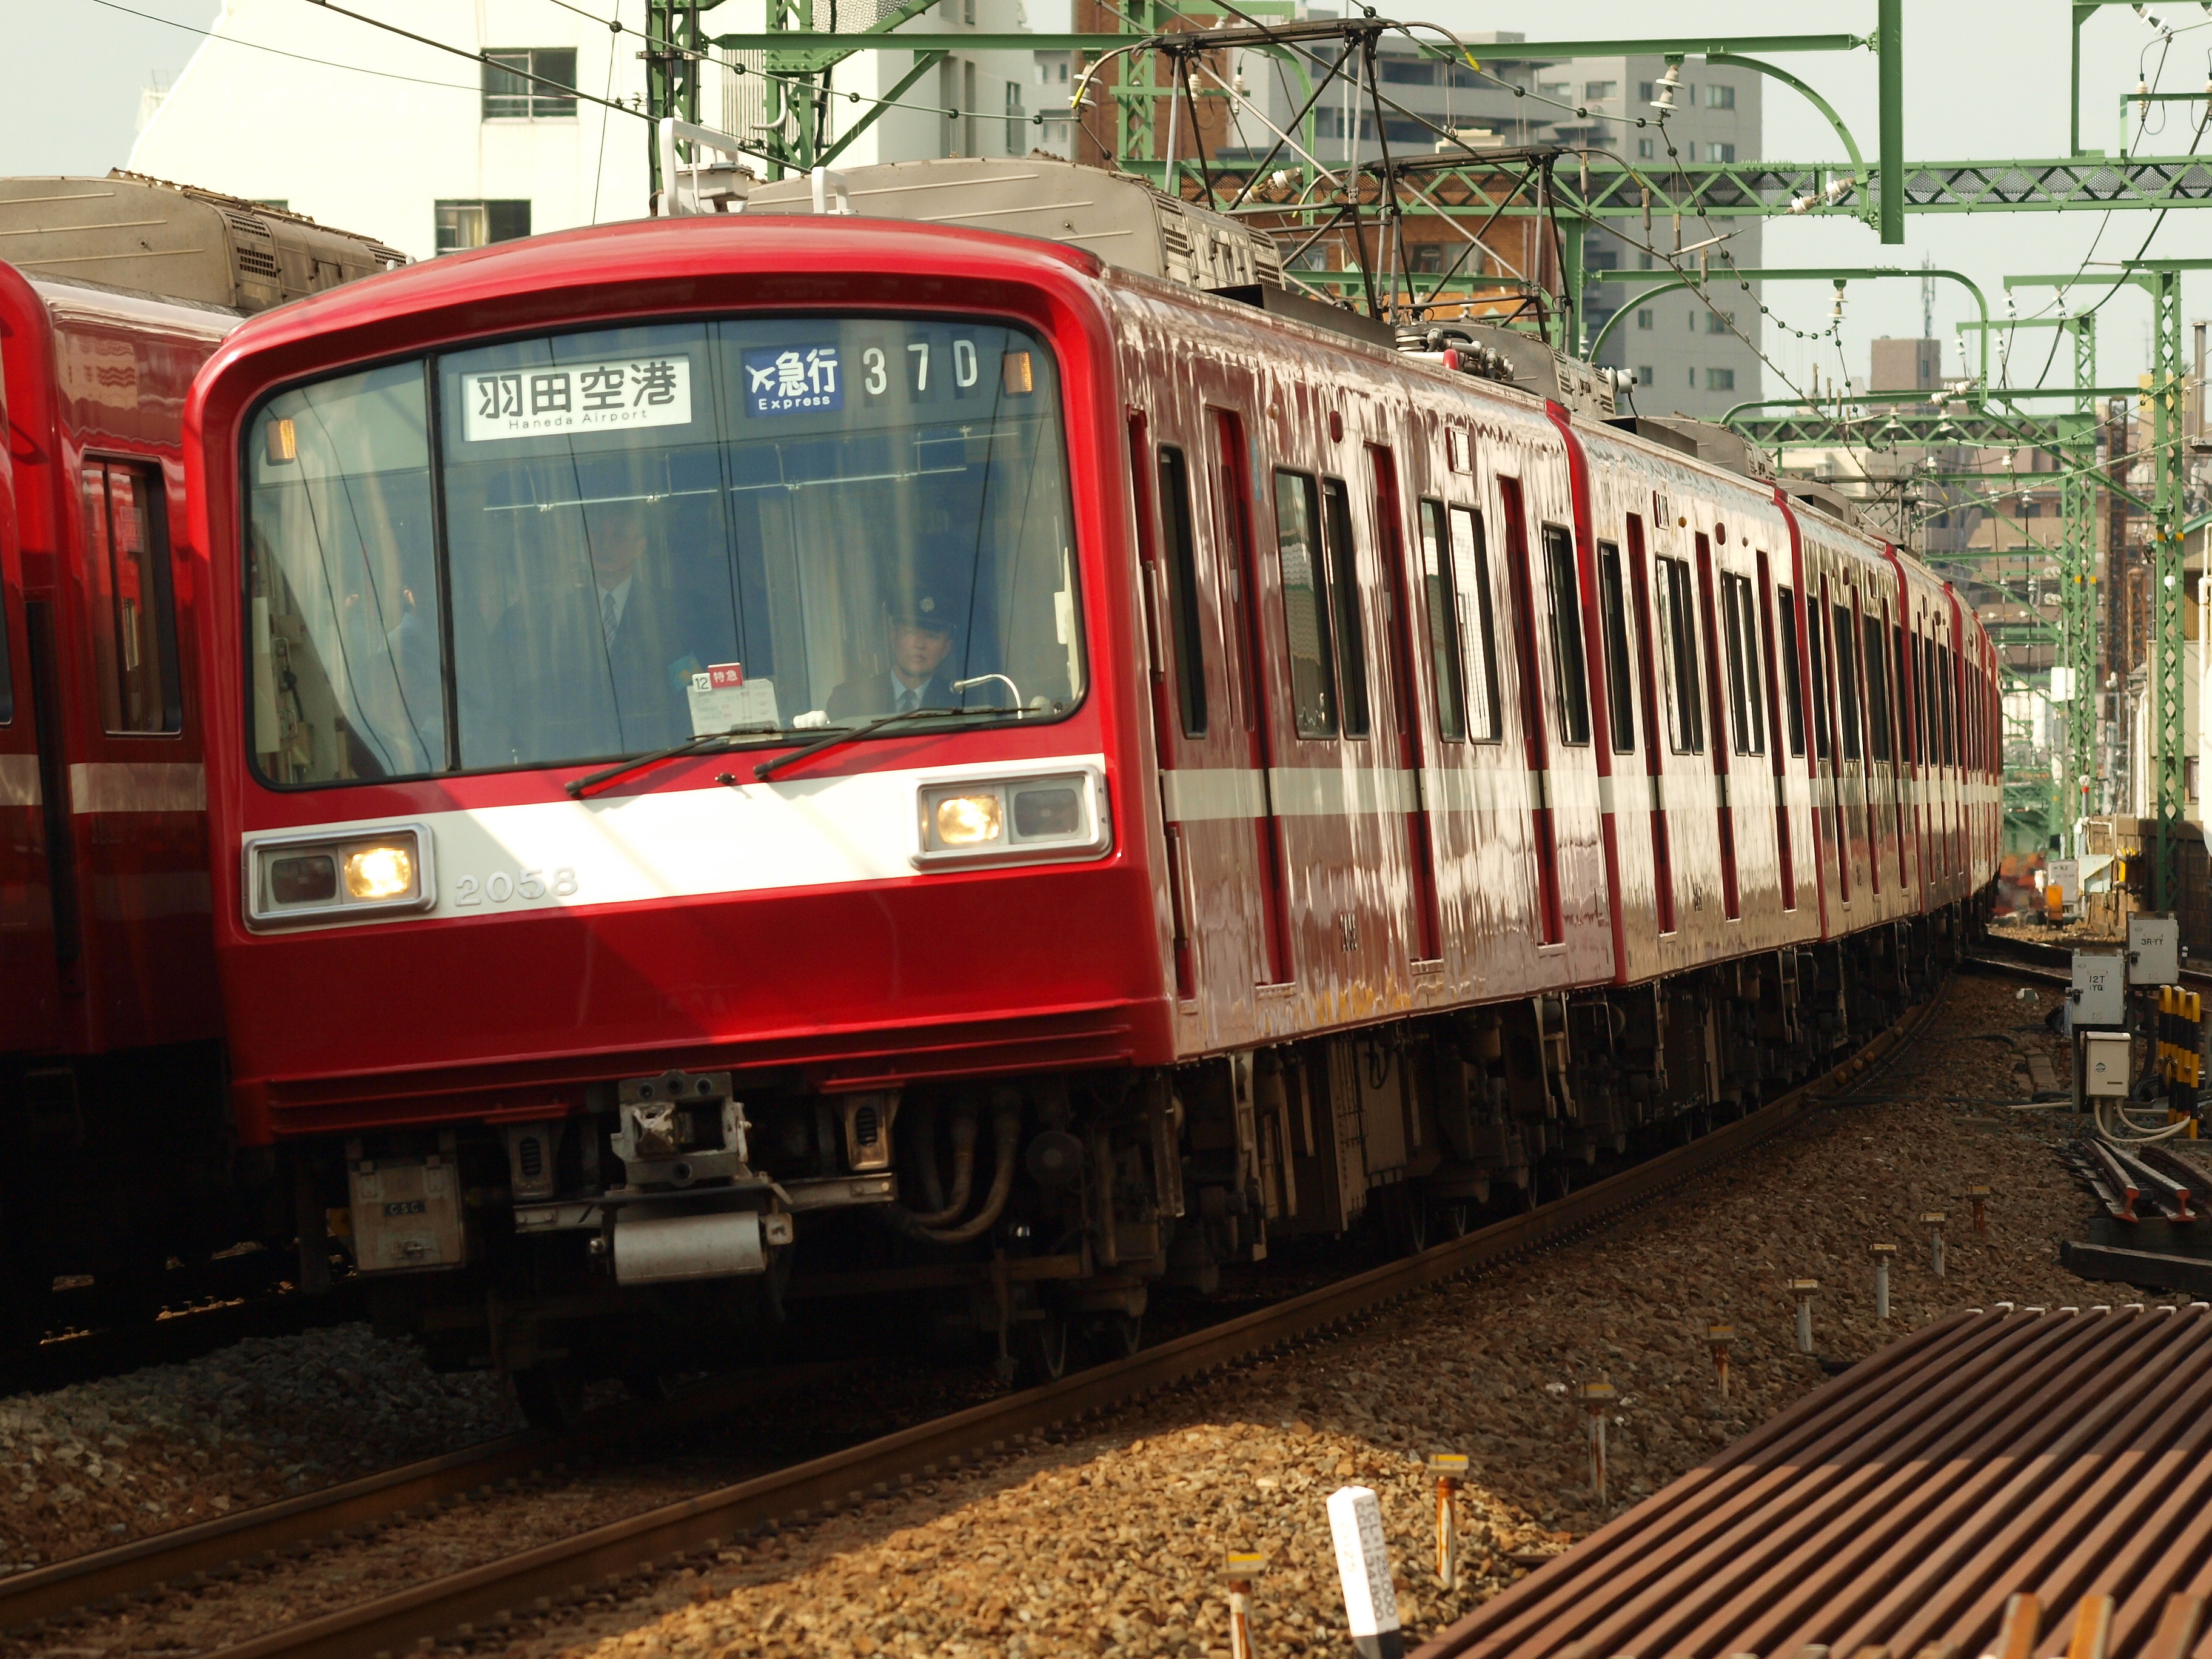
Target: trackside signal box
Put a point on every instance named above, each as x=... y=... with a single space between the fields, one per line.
x=2099 y=990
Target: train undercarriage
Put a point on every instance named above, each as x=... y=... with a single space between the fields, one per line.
x=682 y=1219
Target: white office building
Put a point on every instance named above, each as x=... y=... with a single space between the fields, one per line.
x=1689 y=354
x=363 y=129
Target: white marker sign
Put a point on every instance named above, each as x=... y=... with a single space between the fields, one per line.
x=528 y=403
x=723 y=700
x=1363 y=1563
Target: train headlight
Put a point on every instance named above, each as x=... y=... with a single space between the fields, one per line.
x=338 y=876
x=968 y=820
x=1012 y=820
x=383 y=872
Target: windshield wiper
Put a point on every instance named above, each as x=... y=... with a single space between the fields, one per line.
x=578 y=787
x=768 y=769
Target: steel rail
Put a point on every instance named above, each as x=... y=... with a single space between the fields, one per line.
x=283 y=1528
x=487 y=1596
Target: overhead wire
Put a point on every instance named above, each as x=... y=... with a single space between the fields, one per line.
x=297 y=56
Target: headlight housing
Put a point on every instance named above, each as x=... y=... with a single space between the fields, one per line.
x=338 y=876
x=1011 y=820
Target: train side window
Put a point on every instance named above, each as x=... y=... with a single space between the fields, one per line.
x=1343 y=606
x=1877 y=673
x=1182 y=590
x=1814 y=638
x=1613 y=607
x=1686 y=717
x=1570 y=667
x=1793 y=689
x=1950 y=707
x=1443 y=623
x=1740 y=616
x=1305 y=605
x=1847 y=682
x=1906 y=751
x=134 y=622
x=1471 y=569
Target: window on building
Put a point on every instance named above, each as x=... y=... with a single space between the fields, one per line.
x=1017 y=139
x=1644 y=151
x=1646 y=91
x=1644 y=262
x=1417 y=72
x=477 y=224
x=1724 y=154
x=1563 y=90
x=1643 y=317
x=1593 y=90
x=1643 y=375
x=967 y=12
x=1426 y=259
x=1601 y=258
x=1719 y=322
x=530 y=83
x=1720 y=380
x=1719 y=97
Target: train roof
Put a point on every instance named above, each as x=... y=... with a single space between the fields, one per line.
x=131 y=233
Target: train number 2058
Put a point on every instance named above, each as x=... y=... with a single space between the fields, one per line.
x=502 y=886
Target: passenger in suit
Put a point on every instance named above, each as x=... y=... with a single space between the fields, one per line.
x=920 y=632
x=602 y=666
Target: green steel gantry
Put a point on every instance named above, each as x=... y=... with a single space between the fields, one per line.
x=1160 y=50
x=2074 y=440
x=2162 y=280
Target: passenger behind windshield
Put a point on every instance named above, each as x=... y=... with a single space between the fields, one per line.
x=601 y=653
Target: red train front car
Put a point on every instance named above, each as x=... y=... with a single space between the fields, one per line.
x=731 y=787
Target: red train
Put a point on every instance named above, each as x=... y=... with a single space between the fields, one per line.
x=770 y=756
x=112 y=1086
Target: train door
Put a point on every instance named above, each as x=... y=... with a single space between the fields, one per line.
x=1210 y=797
x=137 y=792
x=1777 y=733
x=1828 y=738
x=1655 y=748
x=30 y=1009
x=1167 y=575
x=1535 y=742
x=1716 y=699
x=1241 y=581
x=1402 y=690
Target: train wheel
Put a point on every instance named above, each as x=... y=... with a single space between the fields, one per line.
x=1125 y=1335
x=551 y=1394
x=1451 y=1218
x=1042 y=1346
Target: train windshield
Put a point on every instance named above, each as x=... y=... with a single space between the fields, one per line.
x=587 y=545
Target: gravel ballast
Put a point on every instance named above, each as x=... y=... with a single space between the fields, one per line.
x=90 y=1466
x=1111 y=1544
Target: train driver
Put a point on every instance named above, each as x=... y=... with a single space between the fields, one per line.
x=922 y=624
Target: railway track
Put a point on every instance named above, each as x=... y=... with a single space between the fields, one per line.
x=482 y=1599
x=2048 y=960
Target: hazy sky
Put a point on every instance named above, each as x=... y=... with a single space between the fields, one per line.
x=1982 y=82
